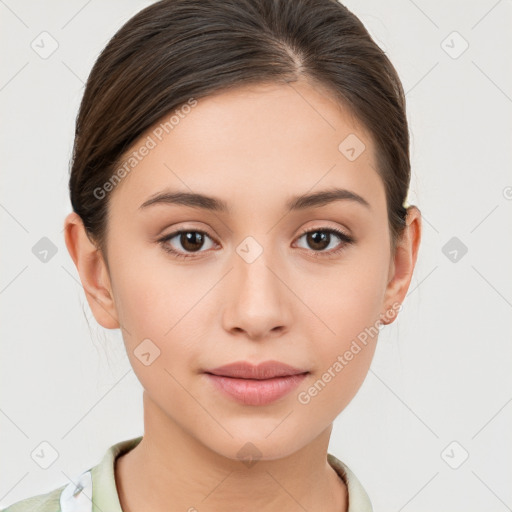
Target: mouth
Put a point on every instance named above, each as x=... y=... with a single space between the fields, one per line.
x=262 y=371
x=256 y=385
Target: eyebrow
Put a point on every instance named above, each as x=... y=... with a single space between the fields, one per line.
x=196 y=200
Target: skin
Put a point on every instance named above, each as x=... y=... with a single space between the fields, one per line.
x=253 y=147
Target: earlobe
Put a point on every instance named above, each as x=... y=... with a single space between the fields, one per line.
x=403 y=265
x=92 y=269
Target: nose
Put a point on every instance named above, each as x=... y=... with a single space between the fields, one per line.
x=257 y=299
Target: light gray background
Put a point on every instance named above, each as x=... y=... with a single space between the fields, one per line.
x=441 y=372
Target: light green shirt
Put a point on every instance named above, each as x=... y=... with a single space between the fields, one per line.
x=99 y=482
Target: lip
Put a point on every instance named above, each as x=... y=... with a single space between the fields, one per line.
x=264 y=370
x=256 y=391
x=256 y=384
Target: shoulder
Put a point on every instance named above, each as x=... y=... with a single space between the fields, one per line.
x=358 y=499
x=47 y=502
x=70 y=498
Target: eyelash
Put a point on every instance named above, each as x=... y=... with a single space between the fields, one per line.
x=346 y=240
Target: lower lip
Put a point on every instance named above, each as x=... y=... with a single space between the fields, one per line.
x=256 y=392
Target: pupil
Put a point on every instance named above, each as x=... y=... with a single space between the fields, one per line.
x=189 y=239
x=318 y=237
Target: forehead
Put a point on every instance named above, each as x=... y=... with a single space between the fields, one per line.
x=252 y=144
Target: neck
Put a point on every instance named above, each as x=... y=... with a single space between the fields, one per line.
x=169 y=466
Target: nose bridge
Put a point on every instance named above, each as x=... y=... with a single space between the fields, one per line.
x=257 y=301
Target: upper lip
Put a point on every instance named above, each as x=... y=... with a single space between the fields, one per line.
x=265 y=370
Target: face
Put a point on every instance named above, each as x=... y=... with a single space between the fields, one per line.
x=269 y=276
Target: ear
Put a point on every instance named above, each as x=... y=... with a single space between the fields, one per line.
x=93 y=271
x=402 y=265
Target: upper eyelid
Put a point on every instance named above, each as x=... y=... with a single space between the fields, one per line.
x=324 y=228
x=179 y=231
x=303 y=232
x=335 y=231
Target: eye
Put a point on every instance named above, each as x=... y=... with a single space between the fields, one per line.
x=320 y=239
x=192 y=241
x=189 y=239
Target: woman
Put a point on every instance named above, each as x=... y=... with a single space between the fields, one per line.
x=239 y=184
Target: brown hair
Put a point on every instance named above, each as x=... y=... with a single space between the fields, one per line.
x=175 y=50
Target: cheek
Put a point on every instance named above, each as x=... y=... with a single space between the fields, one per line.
x=343 y=354
x=348 y=297
x=151 y=293
x=159 y=302
x=348 y=302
